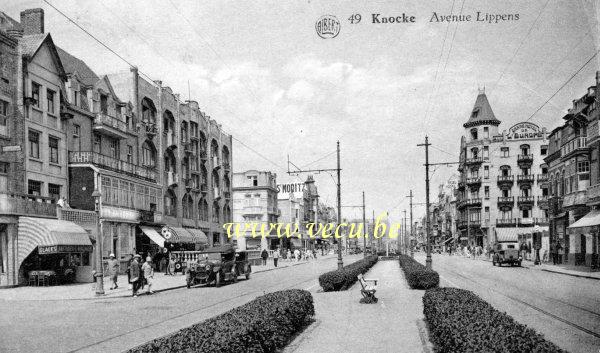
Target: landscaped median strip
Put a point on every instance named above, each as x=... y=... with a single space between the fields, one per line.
x=460 y=321
x=265 y=324
x=345 y=277
x=417 y=275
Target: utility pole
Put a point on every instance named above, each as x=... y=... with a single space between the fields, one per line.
x=364 y=228
x=405 y=233
x=373 y=227
x=427 y=144
x=339 y=193
x=412 y=254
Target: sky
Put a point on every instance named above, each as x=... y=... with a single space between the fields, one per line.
x=260 y=69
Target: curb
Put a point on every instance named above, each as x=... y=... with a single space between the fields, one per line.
x=570 y=274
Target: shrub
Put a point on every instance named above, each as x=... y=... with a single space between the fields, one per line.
x=417 y=275
x=460 y=321
x=344 y=278
x=265 y=324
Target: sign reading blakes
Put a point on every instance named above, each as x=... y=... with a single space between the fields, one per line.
x=524 y=131
x=55 y=249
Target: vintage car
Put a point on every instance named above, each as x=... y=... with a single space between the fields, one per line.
x=218 y=264
x=506 y=253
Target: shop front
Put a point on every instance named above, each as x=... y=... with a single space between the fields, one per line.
x=52 y=251
x=584 y=241
x=164 y=243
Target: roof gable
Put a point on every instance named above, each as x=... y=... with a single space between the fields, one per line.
x=31 y=46
x=74 y=65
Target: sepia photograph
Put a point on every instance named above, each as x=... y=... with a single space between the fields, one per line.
x=300 y=176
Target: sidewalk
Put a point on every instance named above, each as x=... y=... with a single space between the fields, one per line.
x=86 y=291
x=576 y=271
x=342 y=324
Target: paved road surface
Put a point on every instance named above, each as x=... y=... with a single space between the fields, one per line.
x=565 y=309
x=112 y=325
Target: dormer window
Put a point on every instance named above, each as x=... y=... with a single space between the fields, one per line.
x=475 y=113
x=104 y=103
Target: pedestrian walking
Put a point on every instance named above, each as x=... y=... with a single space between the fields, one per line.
x=170 y=266
x=289 y=255
x=297 y=255
x=148 y=270
x=264 y=254
x=113 y=271
x=275 y=256
x=135 y=273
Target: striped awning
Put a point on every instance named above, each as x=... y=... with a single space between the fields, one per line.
x=199 y=235
x=508 y=234
x=50 y=236
x=178 y=235
x=589 y=220
x=153 y=235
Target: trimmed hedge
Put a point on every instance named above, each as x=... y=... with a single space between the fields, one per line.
x=417 y=275
x=344 y=278
x=266 y=324
x=460 y=321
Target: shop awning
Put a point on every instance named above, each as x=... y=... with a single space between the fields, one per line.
x=153 y=235
x=179 y=235
x=50 y=236
x=508 y=234
x=590 y=219
x=201 y=238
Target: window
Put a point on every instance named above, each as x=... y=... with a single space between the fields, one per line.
x=544 y=150
x=3 y=114
x=525 y=213
x=54 y=191
x=34 y=187
x=104 y=103
x=129 y=154
x=505 y=193
x=486 y=152
x=583 y=167
x=76 y=98
x=486 y=132
x=473 y=134
x=35 y=93
x=53 y=146
x=3 y=252
x=486 y=192
x=486 y=172
x=114 y=148
x=50 y=100
x=505 y=152
x=4 y=167
x=487 y=214
x=524 y=149
x=97 y=143
x=34 y=144
x=475 y=113
x=76 y=130
x=253 y=179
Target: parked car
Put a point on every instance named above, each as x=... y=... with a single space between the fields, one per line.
x=218 y=265
x=506 y=253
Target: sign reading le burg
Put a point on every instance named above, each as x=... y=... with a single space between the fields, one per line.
x=523 y=131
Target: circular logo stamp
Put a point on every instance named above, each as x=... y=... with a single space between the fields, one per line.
x=327 y=26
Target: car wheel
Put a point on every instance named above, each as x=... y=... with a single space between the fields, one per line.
x=189 y=284
x=235 y=276
x=247 y=275
x=218 y=280
x=519 y=263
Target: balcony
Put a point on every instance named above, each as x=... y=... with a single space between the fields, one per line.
x=17 y=204
x=575 y=199
x=542 y=202
x=171 y=178
x=203 y=155
x=506 y=201
x=110 y=126
x=474 y=182
x=113 y=164
x=227 y=195
x=474 y=161
x=574 y=146
x=593 y=194
x=187 y=147
x=474 y=202
x=464 y=224
x=524 y=201
x=542 y=179
x=215 y=162
x=542 y=221
x=253 y=210
x=505 y=181
x=149 y=128
x=525 y=160
x=226 y=167
x=526 y=222
x=506 y=222
x=525 y=179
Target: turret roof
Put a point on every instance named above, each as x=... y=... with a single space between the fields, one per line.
x=482 y=113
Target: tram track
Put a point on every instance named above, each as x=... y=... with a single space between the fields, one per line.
x=251 y=294
x=535 y=307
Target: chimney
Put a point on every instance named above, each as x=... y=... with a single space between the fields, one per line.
x=32 y=21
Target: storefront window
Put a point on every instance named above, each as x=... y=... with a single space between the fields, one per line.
x=3 y=252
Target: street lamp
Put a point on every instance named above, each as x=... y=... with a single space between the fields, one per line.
x=99 y=267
